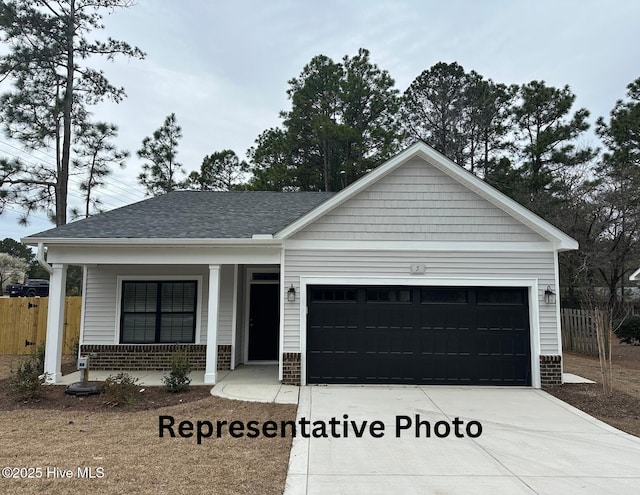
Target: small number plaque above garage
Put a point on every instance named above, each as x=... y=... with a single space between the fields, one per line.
x=418 y=335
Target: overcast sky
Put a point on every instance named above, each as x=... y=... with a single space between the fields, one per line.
x=223 y=67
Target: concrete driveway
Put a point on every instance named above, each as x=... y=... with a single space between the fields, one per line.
x=531 y=443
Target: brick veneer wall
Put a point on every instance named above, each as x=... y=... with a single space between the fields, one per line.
x=224 y=357
x=142 y=357
x=550 y=370
x=291 y=368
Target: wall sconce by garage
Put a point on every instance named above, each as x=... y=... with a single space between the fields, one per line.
x=549 y=296
x=291 y=294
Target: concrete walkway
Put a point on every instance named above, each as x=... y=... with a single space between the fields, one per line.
x=255 y=383
x=531 y=443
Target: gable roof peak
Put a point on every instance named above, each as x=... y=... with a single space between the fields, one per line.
x=559 y=239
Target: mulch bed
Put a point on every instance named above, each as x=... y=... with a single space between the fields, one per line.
x=620 y=410
x=53 y=396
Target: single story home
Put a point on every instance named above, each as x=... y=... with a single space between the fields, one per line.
x=635 y=276
x=418 y=273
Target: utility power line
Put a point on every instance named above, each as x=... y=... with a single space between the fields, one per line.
x=129 y=193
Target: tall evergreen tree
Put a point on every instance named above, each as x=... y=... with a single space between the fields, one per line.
x=95 y=153
x=313 y=121
x=342 y=122
x=433 y=109
x=49 y=43
x=487 y=117
x=618 y=201
x=462 y=115
x=160 y=171
x=271 y=162
x=548 y=134
x=219 y=171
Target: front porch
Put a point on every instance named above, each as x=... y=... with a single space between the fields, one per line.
x=135 y=317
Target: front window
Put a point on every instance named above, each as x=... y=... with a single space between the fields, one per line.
x=158 y=312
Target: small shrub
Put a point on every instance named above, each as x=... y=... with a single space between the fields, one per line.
x=178 y=378
x=120 y=389
x=628 y=330
x=38 y=356
x=27 y=378
x=75 y=347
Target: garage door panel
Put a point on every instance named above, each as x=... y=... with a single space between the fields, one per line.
x=502 y=318
x=419 y=335
x=445 y=318
x=446 y=343
x=461 y=344
x=387 y=342
x=502 y=372
x=337 y=316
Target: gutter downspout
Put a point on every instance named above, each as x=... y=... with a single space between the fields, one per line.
x=43 y=263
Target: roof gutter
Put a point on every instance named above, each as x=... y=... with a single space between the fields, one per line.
x=43 y=263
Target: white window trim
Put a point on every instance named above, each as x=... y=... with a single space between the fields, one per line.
x=530 y=283
x=152 y=278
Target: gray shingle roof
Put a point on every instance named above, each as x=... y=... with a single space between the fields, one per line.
x=195 y=215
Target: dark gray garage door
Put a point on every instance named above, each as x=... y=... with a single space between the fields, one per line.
x=418 y=335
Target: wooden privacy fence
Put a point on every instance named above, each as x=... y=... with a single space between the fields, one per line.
x=578 y=332
x=23 y=323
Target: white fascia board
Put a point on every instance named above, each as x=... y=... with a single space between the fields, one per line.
x=163 y=255
x=152 y=242
x=560 y=240
x=635 y=276
x=431 y=246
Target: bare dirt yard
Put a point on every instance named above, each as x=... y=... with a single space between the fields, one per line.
x=117 y=450
x=622 y=408
x=120 y=446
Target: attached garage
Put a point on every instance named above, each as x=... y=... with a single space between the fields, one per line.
x=418 y=335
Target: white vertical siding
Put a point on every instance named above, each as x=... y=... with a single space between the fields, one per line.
x=225 y=313
x=241 y=323
x=101 y=306
x=418 y=202
x=381 y=264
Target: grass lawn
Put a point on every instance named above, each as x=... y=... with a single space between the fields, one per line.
x=67 y=433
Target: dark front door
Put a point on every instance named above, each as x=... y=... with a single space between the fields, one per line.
x=418 y=335
x=264 y=322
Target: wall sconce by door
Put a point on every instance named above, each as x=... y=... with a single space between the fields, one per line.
x=549 y=296
x=291 y=294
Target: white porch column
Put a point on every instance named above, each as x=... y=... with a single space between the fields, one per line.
x=210 y=373
x=55 y=323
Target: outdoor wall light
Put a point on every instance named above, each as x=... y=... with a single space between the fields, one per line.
x=291 y=294
x=549 y=296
